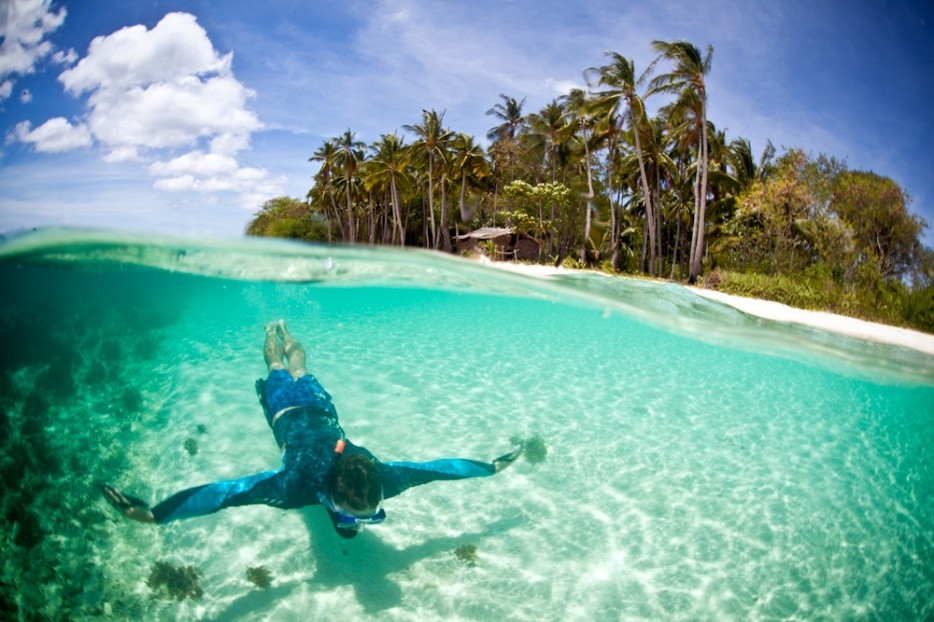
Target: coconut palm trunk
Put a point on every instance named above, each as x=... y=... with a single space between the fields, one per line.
x=649 y=215
x=700 y=213
x=687 y=79
x=396 y=216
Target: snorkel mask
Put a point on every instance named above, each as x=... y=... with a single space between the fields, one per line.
x=345 y=520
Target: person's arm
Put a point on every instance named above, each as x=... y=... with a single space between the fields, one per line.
x=400 y=476
x=200 y=500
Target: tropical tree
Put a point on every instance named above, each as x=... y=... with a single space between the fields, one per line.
x=578 y=108
x=743 y=166
x=349 y=155
x=470 y=163
x=432 y=145
x=509 y=111
x=620 y=100
x=876 y=209
x=548 y=133
x=387 y=169
x=687 y=79
x=285 y=217
x=324 y=180
x=659 y=170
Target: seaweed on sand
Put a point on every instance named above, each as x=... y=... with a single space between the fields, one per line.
x=96 y=374
x=467 y=553
x=259 y=576
x=191 y=446
x=178 y=582
x=110 y=352
x=533 y=447
x=6 y=428
x=131 y=400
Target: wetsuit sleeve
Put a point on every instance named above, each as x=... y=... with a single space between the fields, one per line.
x=201 y=500
x=400 y=476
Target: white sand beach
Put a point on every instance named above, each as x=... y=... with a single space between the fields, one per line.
x=779 y=312
x=852 y=327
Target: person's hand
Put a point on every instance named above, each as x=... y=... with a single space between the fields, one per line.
x=504 y=461
x=131 y=507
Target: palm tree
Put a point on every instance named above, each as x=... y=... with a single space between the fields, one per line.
x=660 y=169
x=549 y=132
x=620 y=78
x=387 y=170
x=548 y=138
x=327 y=155
x=472 y=165
x=578 y=107
x=431 y=144
x=349 y=154
x=509 y=111
x=687 y=79
x=607 y=132
x=743 y=165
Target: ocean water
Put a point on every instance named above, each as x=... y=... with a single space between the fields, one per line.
x=701 y=464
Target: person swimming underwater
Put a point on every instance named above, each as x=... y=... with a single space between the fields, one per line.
x=319 y=465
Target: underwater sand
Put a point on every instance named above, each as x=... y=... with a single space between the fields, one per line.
x=702 y=464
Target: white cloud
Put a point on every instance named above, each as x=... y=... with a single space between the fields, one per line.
x=24 y=25
x=177 y=47
x=563 y=87
x=65 y=58
x=198 y=163
x=53 y=136
x=172 y=114
x=175 y=184
x=154 y=93
x=210 y=172
x=165 y=87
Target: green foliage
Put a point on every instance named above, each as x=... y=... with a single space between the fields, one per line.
x=574 y=176
x=870 y=298
x=778 y=288
x=816 y=236
x=918 y=309
x=540 y=210
x=285 y=217
x=876 y=210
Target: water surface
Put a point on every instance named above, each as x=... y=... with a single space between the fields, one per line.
x=702 y=464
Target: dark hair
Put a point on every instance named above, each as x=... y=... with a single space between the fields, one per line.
x=354 y=483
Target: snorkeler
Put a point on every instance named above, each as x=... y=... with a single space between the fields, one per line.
x=319 y=465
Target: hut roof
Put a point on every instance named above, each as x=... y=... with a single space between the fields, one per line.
x=486 y=233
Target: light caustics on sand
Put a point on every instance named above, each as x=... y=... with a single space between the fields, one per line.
x=702 y=463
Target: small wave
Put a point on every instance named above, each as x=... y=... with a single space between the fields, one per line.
x=666 y=306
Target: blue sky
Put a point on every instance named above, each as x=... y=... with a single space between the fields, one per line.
x=185 y=115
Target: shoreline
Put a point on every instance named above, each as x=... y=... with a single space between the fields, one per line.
x=831 y=322
x=776 y=311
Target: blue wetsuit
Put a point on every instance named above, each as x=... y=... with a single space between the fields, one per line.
x=304 y=422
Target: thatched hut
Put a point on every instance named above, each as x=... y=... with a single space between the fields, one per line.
x=507 y=243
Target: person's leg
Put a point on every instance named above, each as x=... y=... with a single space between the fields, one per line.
x=294 y=352
x=273 y=351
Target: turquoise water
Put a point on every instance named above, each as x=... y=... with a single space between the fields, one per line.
x=702 y=464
